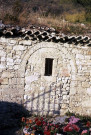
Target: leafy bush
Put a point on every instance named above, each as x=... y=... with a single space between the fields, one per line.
x=46 y=126
x=81 y=117
x=77 y=17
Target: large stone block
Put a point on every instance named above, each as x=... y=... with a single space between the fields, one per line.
x=7 y=74
x=85 y=84
x=2 y=66
x=80 y=56
x=88 y=52
x=10 y=64
x=2 y=53
x=13 y=41
x=5 y=81
x=25 y=42
x=89 y=91
x=10 y=60
x=19 y=47
x=3 y=59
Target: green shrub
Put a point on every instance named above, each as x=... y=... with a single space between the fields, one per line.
x=88 y=17
x=77 y=17
x=81 y=117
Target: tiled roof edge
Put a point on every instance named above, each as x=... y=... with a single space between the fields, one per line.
x=43 y=34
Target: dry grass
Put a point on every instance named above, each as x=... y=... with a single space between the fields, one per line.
x=58 y=22
x=66 y=23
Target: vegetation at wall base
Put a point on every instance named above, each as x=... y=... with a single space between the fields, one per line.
x=44 y=126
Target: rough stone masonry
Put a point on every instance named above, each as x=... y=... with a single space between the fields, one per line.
x=47 y=72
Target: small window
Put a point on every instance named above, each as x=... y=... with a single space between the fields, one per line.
x=48 y=66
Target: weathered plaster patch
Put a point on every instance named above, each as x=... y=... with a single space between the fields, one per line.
x=31 y=78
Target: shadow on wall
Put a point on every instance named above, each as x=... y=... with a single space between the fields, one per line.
x=10 y=118
x=47 y=102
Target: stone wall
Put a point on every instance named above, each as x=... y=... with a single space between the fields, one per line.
x=23 y=80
